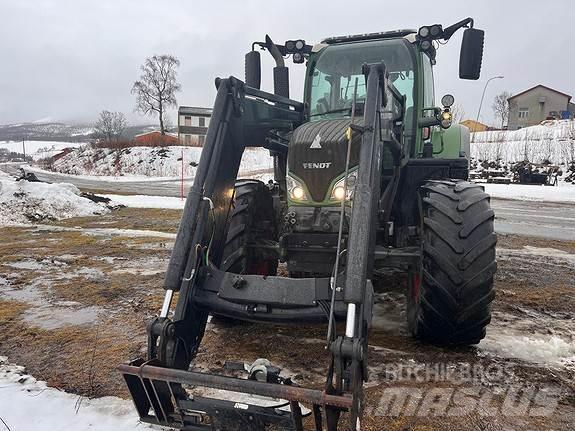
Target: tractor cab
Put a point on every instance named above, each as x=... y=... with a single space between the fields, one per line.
x=321 y=173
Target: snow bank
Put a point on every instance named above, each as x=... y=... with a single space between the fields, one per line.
x=27 y=404
x=39 y=149
x=552 y=140
x=562 y=193
x=23 y=201
x=147 y=161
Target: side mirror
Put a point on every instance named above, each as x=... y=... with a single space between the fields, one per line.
x=253 y=69
x=471 y=55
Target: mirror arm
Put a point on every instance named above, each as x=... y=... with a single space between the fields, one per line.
x=428 y=122
x=449 y=31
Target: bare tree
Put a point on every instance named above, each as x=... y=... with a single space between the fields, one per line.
x=458 y=113
x=500 y=107
x=110 y=125
x=156 y=88
x=499 y=146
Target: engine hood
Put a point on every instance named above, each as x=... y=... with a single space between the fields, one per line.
x=317 y=154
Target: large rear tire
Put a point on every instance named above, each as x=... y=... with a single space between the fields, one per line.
x=252 y=221
x=449 y=300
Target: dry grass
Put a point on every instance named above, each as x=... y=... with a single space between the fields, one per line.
x=62 y=356
x=11 y=310
x=81 y=359
x=158 y=219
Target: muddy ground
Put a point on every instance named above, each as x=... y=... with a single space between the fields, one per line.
x=75 y=296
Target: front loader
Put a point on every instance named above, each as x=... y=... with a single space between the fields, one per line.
x=369 y=176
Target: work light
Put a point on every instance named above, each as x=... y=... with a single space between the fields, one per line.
x=448 y=100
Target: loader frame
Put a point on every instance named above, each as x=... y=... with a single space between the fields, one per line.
x=245 y=116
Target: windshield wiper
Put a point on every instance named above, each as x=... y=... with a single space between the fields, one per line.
x=332 y=111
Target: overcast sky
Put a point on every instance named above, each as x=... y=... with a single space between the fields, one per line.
x=67 y=60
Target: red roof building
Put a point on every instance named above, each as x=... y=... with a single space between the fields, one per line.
x=156 y=139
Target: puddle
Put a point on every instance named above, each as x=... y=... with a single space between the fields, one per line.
x=146 y=266
x=111 y=232
x=514 y=337
x=91 y=274
x=168 y=245
x=29 y=293
x=57 y=317
x=68 y=258
x=389 y=313
x=26 y=264
x=110 y=259
x=36 y=265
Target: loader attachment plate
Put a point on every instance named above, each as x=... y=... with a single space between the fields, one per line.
x=160 y=399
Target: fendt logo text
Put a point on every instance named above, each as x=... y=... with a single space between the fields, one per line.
x=318 y=165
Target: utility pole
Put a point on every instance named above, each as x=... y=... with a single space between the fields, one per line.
x=24 y=148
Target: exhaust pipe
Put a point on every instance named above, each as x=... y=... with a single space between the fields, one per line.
x=281 y=72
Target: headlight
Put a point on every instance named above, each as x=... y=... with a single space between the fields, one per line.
x=295 y=189
x=337 y=193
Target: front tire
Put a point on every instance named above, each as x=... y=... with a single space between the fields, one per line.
x=252 y=221
x=449 y=300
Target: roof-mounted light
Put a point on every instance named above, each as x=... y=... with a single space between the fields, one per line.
x=436 y=30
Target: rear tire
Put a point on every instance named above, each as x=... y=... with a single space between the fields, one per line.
x=449 y=301
x=252 y=221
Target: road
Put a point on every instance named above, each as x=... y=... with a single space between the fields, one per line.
x=539 y=219
x=170 y=187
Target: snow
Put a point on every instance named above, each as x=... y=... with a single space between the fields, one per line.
x=562 y=193
x=27 y=404
x=39 y=149
x=144 y=201
x=544 y=350
x=23 y=201
x=163 y=162
x=552 y=140
x=106 y=178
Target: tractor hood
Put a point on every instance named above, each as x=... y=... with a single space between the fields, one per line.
x=317 y=154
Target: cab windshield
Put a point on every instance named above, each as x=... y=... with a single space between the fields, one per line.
x=334 y=72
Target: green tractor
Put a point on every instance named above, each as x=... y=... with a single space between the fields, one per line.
x=370 y=177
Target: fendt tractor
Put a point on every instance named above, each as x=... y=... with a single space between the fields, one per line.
x=369 y=177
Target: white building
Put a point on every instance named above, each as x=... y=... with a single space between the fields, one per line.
x=193 y=125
